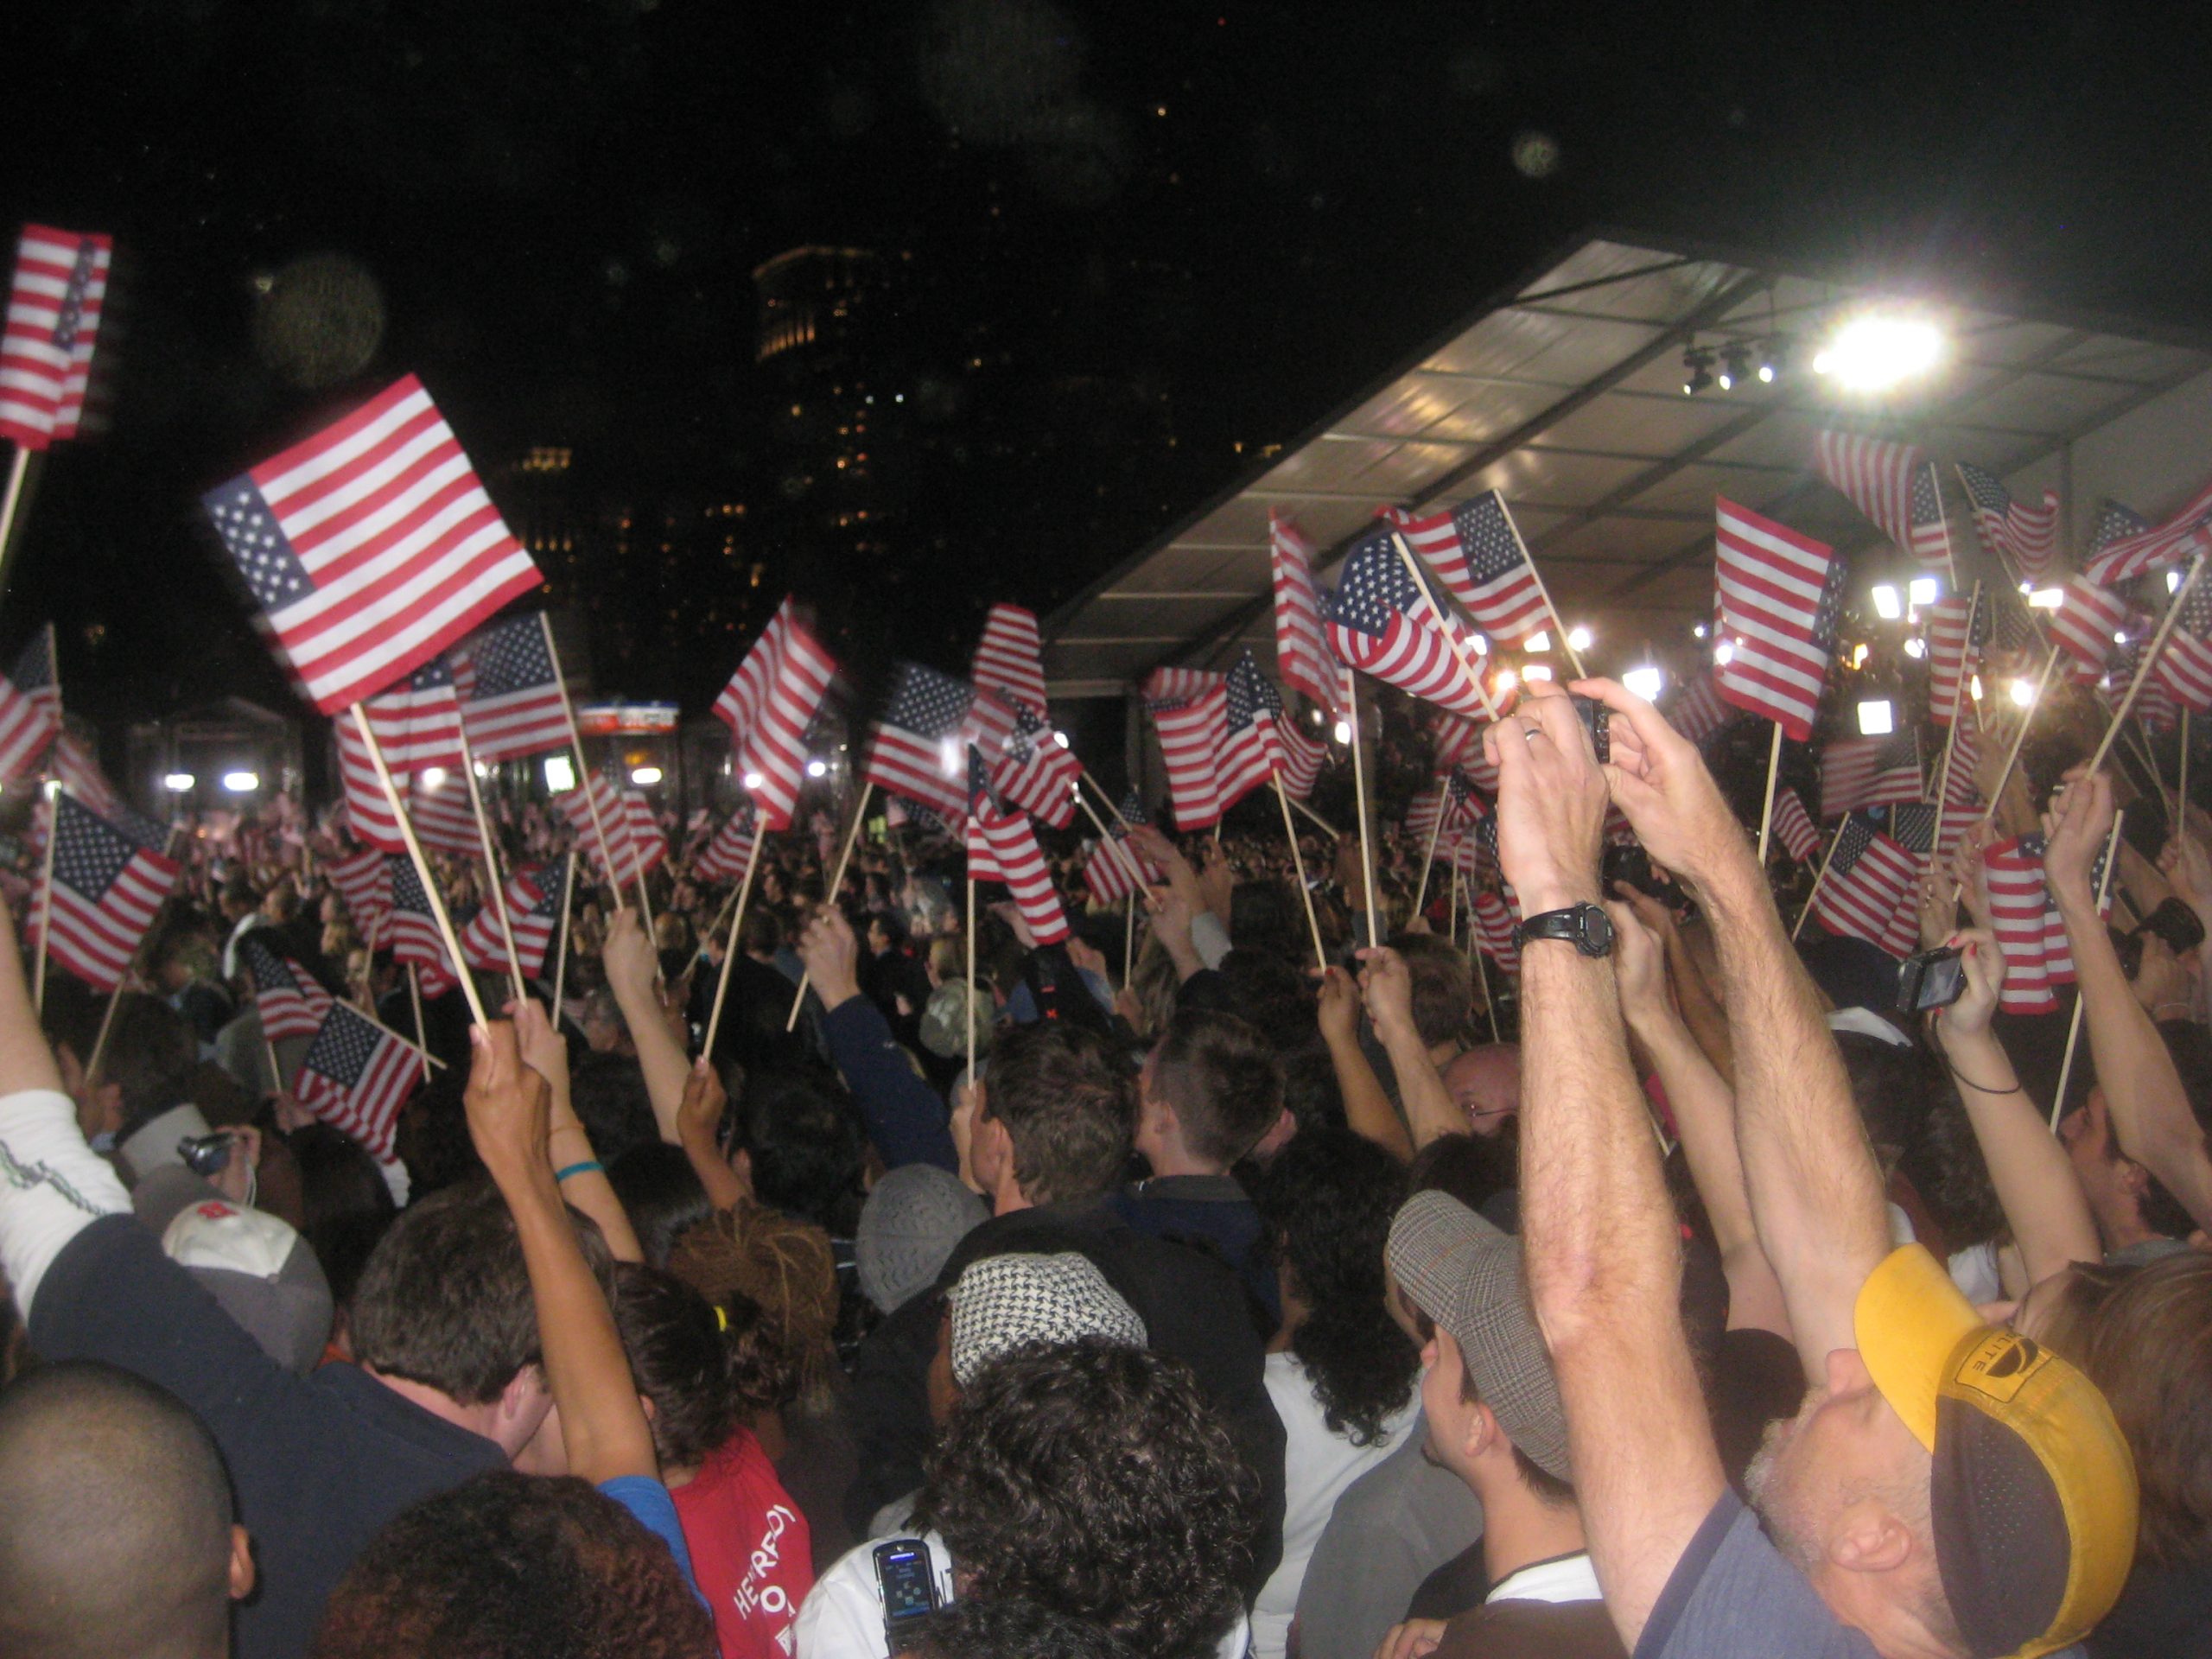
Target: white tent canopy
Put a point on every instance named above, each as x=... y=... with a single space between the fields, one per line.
x=1566 y=395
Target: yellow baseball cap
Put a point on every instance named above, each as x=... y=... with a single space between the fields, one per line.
x=2033 y=1488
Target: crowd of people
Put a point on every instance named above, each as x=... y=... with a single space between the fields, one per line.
x=1232 y=1278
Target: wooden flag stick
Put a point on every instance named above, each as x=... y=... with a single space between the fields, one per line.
x=44 y=909
x=729 y=952
x=421 y=866
x=2074 y=1026
x=1359 y=790
x=1443 y=628
x=1119 y=849
x=1819 y=876
x=2149 y=660
x=1773 y=772
x=561 y=962
x=1128 y=937
x=968 y=1013
x=1316 y=819
x=11 y=502
x=422 y=1036
x=1482 y=971
x=1451 y=911
x=2181 y=817
x=1573 y=656
x=1951 y=738
x=1106 y=800
x=830 y=896
x=583 y=768
x=491 y=870
x=1298 y=862
x=2012 y=754
x=1435 y=829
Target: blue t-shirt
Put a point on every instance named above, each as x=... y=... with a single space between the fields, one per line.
x=1732 y=1595
x=649 y=1500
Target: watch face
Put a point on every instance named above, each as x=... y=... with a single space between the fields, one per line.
x=1597 y=930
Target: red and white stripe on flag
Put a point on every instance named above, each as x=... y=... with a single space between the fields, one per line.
x=1952 y=658
x=355 y=1077
x=1016 y=860
x=1778 y=599
x=443 y=817
x=1179 y=684
x=364 y=882
x=2084 y=623
x=1299 y=756
x=1191 y=738
x=2012 y=870
x=28 y=729
x=1110 y=870
x=768 y=704
x=369 y=812
x=632 y=856
x=1009 y=658
x=1795 y=826
x=55 y=301
x=729 y=853
x=1303 y=659
x=2184 y=532
x=370 y=548
x=1869 y=876
x=1494 y=925
x=648 y=845
x=533 y=903
x=105 y=893
x=1881 y=479
x=417 y=722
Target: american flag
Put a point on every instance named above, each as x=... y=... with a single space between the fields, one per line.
x=648 y=843
x=2184 y=664
x=2130 y=551
x=1035 y=772
x=1002 y=847
x=370 y=547
x=1958 y=784
x=1452 y=797
x=918 y=748
x=356 y=1076
x=1257 y=743
x=38 y=671
x=417 y=723
x=1302 y=654
x=106 y=890
x=2029 y=535
x=1958 y=629
x=1893 y=484
x=1869 y=877
x=1494 y=924
x=1009 y=658
x=54 y=318
x=767 y=705
x=1112 y=872
x=79 y=773
x=364 y=882
x=633 y=853
x=412 y=931
x=368 y=810
x=28 y=727
x=1379 y=624
x=511 y=692
x=1859 y=771
x=1178 y=684
x=533 y=899
x=442 y=816
x=1794 y=825
x=728 y=856
x=1456 y=742
x=291 y=1002
x=2025 y=920
x=1700 y=712
x=2116 y=523
x=1476 y=551
x=1191 y=738
x=2084 y=624
x=1780 y=594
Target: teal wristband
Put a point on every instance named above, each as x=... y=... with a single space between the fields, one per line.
x=588 y=1166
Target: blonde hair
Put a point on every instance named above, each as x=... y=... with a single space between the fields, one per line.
x=784 y=1265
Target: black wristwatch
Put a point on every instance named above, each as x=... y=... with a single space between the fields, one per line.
x=1585 y=926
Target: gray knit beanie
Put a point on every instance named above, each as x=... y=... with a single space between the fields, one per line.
x=908 y=1228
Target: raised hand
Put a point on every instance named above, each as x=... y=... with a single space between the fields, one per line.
x=1984 y=962
x=2074 y=830
x=628 y=955
x=831 y=955
x=1551 y=803
x=507 y=1102
x=1386 y=985
x=1660 y=782
x=1639 y=965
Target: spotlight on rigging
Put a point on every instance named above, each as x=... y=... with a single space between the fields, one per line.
x=1885 y=602
x=1876 y=718
x=1735 y=365
x=1774 y=356
x=1697 y=372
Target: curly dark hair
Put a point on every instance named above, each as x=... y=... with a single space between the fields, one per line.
x=1093 y=1481
x=1325 y=1207
x=509 y=1564
x=1006 y=1630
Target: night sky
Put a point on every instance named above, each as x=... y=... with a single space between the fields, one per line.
x=1135 y=237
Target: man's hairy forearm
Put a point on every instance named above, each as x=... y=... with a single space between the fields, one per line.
x=1604 y=1256
x=1816 y=1190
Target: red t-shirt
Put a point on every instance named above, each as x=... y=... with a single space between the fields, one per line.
x=749 y=1549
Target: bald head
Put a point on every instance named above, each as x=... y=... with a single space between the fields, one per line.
x=116 y=1535
x=1485 y=1083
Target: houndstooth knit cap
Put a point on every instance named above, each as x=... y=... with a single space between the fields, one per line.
x=1466 y=1274
x=1005 y=1302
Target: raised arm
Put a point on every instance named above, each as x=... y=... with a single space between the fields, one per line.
x=1602 y=1246
x=1816 y=1190
x=905 y=1118
x=631 y=968
x=601 y=1423
x=1704 y=1116
x=1387 y=985
x=577 y=1168
x=2150 y=1109
x=1368 y=1111
x=2034 y=1178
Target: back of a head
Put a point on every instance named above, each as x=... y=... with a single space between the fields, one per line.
x=761 y=931
x=1264 y=916
x=1269 y=990
x=1889 y=1085
x=150 y=1056
x=608 y=1091
x=1222 y=1080
x=1068 y=1100
x=71 y=1015
x=115 y=1532
x=1009 y=1630
x=681 y=1362
x=2149 y=1349
x=1094 y=1482
x=786 y=1267
x=509 y=1565
x=662 y=1195
x=345 y=1205
x=806 y=1145
x=1444 y=986
x=445 y=1298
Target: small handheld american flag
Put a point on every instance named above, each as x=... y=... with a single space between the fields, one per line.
x=768 y=704
x=1009 y=658
x=290 y=1002
x=510 y=689
x=533 y=900
x=1477 y=553
x=1893 y=484
x=1380 y=623
x=106 y=890
x=54 y=302
x=356 y=1076
x=1302 y=653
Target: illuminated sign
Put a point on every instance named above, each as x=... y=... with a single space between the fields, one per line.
x=625 y=719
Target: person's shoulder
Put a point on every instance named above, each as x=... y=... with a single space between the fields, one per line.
x=392 y=1441
x=1532 y=1629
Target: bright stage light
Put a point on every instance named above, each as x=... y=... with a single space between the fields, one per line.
x=241 y=783
x=1578 y=637
x=2023 y=692
x=1859 y=655
x=1646 y=682
x=642 y=776
x=1725 y=652
x=1876 y=718
x=1539 y=641
x=753 y=781
x=1924 y=590
x=1536 y=672
x=1061 y=738
x=434 y=778
x=818 y=768
x=560 y=775
x=2047 y=599
x=1875 y=352
x=179 y=783
x=2173 y=581
x=1914 y=647
x=1974 y=688
x=1342 y=734
x=1697 y=630
x=1506 y=680
x=1885 y=603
